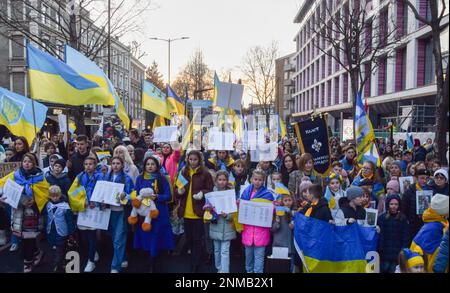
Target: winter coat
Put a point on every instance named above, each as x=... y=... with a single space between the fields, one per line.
x=60 y=222
x=222 y=230
x=77 y=167
x=216 y=165
x=441 y=261
x=408 y=208
x=319 y=211
x=282 y=234
x=170 y=163
x=442 y=190
x=346 y=165
x=420 y=154
x=201 y=181
x=295 y=178
x=160 y=237
x=393 y=236
x=254 y=235
x=238 y=182
x=346 y=212
x=62 y=181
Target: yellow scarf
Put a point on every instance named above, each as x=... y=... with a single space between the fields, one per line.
x=309 y=211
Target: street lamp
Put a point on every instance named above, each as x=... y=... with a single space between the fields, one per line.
x=168 y=42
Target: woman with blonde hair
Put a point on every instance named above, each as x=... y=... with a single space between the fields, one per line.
x=130 y=169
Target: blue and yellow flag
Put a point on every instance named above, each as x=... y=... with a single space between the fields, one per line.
x=216 y=86
x=326 y=248
x=16 y=113
x=409 y=141
x=158 y=121
x=281 y=127
x=281 y=189
x=52 y=80
x=77 y=196
x=154 y=100
x=181 y=181
x=175 y=103
x=365 y=137
x=89 y=70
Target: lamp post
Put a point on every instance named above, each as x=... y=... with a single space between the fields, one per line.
x=169 y=41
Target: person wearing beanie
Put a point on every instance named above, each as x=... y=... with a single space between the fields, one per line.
x=393 y=234
x=410 y=262
x=440 y=182
x=429 y=237
x=57 y=176
x=409 y=204
x=392 y=187
x=301 y=199
x=351 y=209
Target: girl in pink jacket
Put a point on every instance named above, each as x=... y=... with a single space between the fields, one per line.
x=254 y=238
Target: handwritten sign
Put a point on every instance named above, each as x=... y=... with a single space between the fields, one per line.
x=255 y=213
x=223 y=201
x=106 y=192
x=94 y=218
x=166 y=134
x=12 y=193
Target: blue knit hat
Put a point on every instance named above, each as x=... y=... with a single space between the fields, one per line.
x=354 y=192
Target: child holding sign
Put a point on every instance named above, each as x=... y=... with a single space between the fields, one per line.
x=117 y=221
x=254 y=238
x=221 y=230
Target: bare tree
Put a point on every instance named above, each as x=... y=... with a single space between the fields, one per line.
x=434 y=21
x=153 y=75
x=258 y=71
x=80 y=24
x=357 y=40
x=196 y=77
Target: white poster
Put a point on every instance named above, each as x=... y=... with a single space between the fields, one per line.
x=229 y=95
x=347 y=129
x=106 y=192
x=223 y=201
x=280 y=253
x=94 y=218
x=423 y=200
x=166 y=134
x=254 y=139
x=255 y=213
x=221 y=141
x=12 y=193
x=371 y=217
x=405 y=183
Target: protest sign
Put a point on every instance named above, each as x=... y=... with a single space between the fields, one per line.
x=221 y=141
x=229 y=95
x=106 y=192
x=94 y=218
x=223 y=201
x=255 y=213
x=12 y=193
x=166 y=134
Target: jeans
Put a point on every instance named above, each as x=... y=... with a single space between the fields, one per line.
x=14 y=238
x=194 y=230
x=222 y=256
x=254 y=259
x=90 y=237
x=118 y=230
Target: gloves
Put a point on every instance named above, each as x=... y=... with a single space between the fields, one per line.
x=198 y=196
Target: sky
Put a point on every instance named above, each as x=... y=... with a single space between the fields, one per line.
x=223 y=29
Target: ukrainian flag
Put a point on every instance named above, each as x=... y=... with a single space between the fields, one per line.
x=281 y=189
x=17 y=114
x=326 y=248
x=77 y=196
x=158 y=121
x=154 y=100
x=174 y=101
x=216 y=86
x=365 y=137
x=92 y=72
x=281 y=127
x=181 y=181
x=52 y=80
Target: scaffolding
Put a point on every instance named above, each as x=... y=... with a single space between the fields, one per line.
x=414 y=118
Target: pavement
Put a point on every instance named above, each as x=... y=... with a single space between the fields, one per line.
x=11 y=262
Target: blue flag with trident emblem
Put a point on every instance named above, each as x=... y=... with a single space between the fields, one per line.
x=365 y=137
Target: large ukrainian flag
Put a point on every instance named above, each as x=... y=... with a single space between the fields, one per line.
x=52 y=80
x=174 y=101
x=326 y=248
x=16 y=113
x=154 y=100
x=88 y=69
x=365 y=137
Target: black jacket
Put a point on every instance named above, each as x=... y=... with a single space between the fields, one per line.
x=393 y=236
x=349 y=212
x=408 y=208
x=441 y=190
x=420 y=154
x=17 y=157
x=77 y=160
x=320 y=211
x=63 y=181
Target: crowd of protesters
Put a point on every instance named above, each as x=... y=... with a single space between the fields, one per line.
x=181 y=220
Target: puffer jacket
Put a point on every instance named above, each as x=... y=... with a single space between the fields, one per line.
x=171 y=164
x=254 y=235
x=223 y=230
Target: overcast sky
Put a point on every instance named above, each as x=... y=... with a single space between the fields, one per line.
x=223 y=29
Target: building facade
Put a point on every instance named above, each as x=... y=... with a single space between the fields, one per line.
x=284 y=101
x=137 y=74
x=400 y=84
